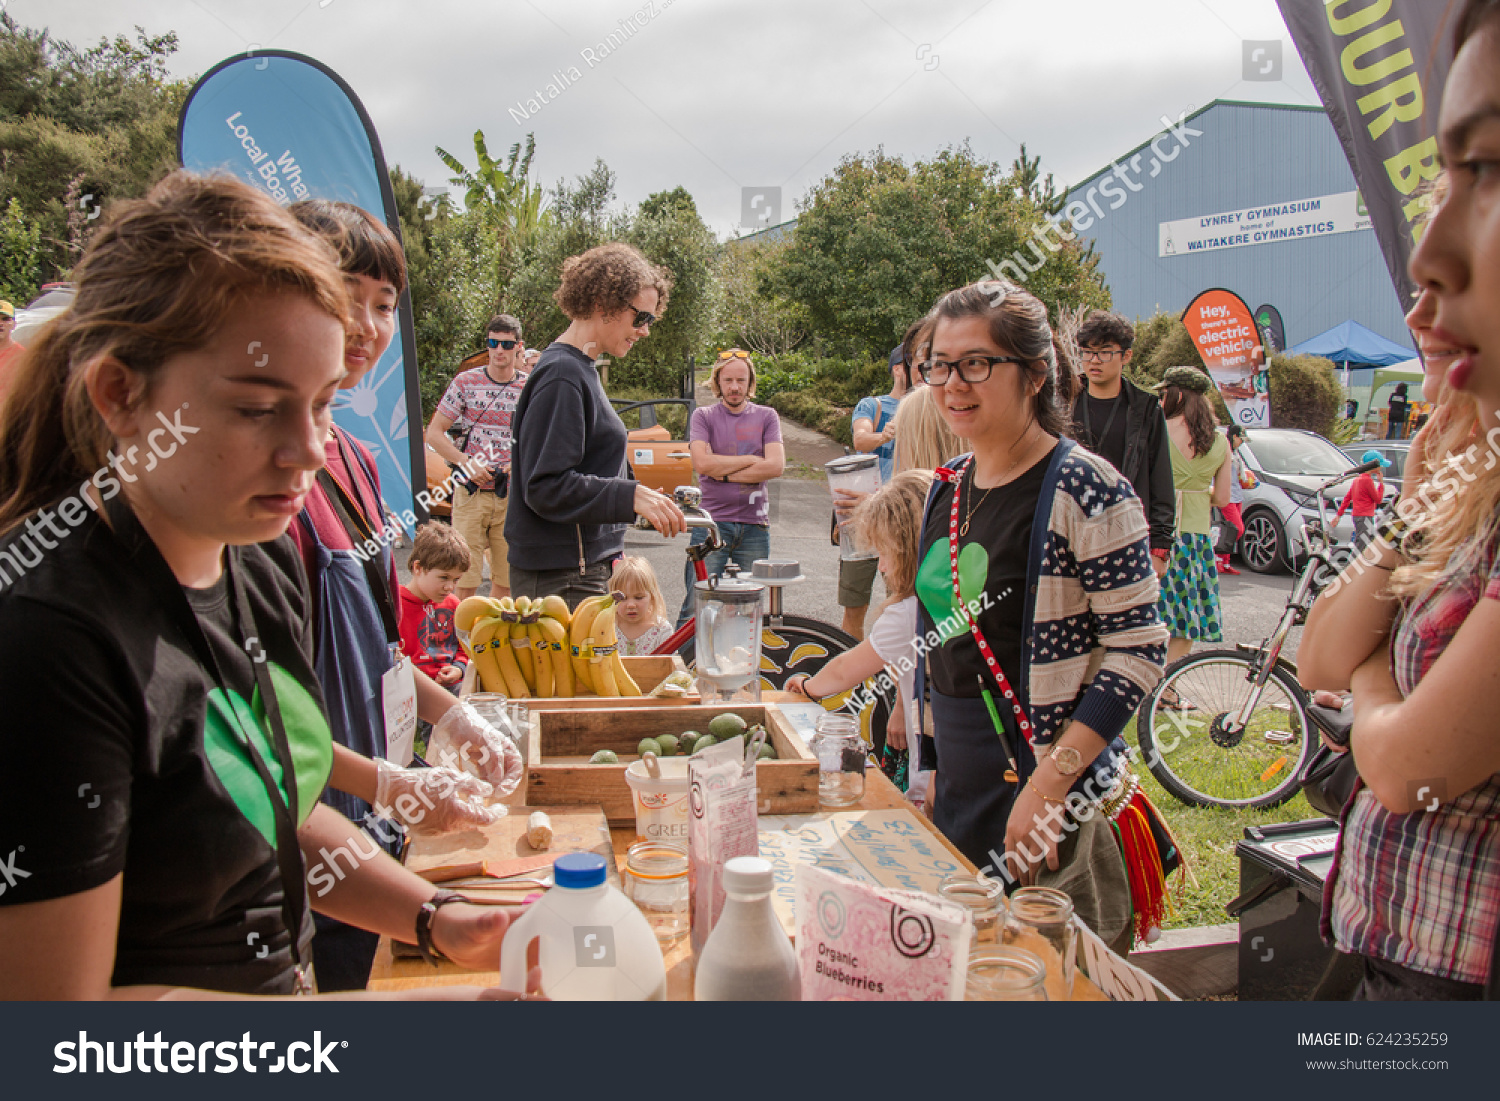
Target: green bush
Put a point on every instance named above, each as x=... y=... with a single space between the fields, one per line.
x=820 y=393
x=1305 y=393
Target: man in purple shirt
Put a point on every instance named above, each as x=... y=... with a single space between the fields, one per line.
x=736 y=448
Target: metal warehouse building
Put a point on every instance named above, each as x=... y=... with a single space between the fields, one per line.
x=1255 y=198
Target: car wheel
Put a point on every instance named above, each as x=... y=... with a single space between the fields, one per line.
x=1263 y=546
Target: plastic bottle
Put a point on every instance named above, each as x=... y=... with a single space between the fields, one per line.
x=748 y=957
x=596 y=946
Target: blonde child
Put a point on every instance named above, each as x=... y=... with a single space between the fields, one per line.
x=641 y=616
x=439 y=557
x=890 y=520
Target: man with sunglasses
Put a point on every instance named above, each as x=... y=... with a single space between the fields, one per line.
x=1123 y=424
x=736 y=447
x=482 y=404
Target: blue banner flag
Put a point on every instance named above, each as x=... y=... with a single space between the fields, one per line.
x=293 y=128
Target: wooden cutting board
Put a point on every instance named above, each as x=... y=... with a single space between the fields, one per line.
x=574 y=829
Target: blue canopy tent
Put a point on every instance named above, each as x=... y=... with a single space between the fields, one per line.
x=1362 y=354
x=1351 y=345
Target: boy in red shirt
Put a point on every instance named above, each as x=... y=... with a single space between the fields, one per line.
x=1364 y=498
x=439 y=558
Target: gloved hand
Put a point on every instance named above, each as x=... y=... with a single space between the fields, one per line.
x=463 y=740
x=433 y=800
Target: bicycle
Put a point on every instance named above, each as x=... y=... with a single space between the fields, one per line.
x=1230 y=728
x=789 y=643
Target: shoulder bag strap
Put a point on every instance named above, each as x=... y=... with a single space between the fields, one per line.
x=362 y=530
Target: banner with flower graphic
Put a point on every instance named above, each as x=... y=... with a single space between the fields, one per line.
x=294 y=129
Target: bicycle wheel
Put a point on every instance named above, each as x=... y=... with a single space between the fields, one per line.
x=803 y=645
x=1194 y=751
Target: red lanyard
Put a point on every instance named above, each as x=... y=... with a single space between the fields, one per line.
x=957 y=480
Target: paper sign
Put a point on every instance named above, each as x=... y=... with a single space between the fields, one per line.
x=642 y=456
x=859 y=942
x=398 y=693
x=1118 y=979
x=886 y=848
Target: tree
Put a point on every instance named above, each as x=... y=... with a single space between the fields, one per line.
x=20 y=255
x=1305 y=393
x=669 y=232
x=504 y=198
x=878 y=242
x=765 y=323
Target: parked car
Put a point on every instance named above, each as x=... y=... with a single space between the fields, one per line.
x=656 y=458
x=1289 y=464
x=1394 y=450
x=53 y=300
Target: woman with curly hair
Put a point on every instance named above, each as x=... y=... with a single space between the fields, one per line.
x=571 y=493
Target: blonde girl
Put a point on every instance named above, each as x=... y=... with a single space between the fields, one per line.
x=641 y=614
x=890 y=519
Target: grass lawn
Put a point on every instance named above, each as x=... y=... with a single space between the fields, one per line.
x=1208 y=836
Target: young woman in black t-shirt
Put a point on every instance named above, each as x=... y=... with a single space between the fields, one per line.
x=165 y=743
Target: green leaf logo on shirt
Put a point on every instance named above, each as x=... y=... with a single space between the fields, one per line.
x=230 y=719
x=935 y=584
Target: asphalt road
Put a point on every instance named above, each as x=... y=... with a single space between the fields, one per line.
x=800 y=512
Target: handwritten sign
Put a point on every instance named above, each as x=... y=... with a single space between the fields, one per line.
x=1118 y=979
x=887 y=848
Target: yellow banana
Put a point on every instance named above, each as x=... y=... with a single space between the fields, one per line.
x=507 y=603
x=523 y=605
x=482 y=643
x=556 y=607
x=473 y=609
x=510 y=669
x=556 y=637
x=605 y=643
x=521 y=648
x=579 y=642
x=546 y=685
x=623 y=680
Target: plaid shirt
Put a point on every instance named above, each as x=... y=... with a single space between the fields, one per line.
x=1423 y=889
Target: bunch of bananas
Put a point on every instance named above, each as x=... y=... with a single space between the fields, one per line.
x=526 y=648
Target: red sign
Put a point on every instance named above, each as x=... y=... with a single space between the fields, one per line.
x=1224 y=332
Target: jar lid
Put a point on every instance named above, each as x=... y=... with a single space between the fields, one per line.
x=748 y=875
x=578 y=870
x=731 y=587
x=850 y=463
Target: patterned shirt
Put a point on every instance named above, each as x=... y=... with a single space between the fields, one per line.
x=475 y=400
x=655 y=635
x=1422 y=890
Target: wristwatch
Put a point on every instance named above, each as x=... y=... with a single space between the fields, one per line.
x=424 y=922
x=1066 y=759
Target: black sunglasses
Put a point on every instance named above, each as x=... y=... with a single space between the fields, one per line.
x=643 y=319
x=496 y=342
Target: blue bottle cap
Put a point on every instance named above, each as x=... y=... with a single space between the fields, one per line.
x=579 y=870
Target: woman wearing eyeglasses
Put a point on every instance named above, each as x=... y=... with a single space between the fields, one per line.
x=571 y=492
x=1036 y=580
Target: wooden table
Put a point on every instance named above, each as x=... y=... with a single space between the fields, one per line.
x=411 y=974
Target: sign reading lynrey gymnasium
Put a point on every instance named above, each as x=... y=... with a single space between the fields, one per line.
x=1264 y=225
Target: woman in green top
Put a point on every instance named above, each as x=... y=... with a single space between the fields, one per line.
x=1201 y=476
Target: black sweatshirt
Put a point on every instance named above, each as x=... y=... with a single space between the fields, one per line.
x=571 y=495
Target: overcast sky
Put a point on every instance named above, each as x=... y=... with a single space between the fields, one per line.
x=720 y=95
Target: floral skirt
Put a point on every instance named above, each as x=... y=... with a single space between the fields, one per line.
x=1190 y=591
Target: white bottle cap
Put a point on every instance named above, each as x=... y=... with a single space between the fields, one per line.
x=748 y=875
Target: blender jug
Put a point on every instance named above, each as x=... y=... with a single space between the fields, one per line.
x=727 y=646
x=857 y=474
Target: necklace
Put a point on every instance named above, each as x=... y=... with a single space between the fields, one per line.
x=973 y=506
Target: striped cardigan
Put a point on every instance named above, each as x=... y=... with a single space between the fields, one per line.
x=1095 y=640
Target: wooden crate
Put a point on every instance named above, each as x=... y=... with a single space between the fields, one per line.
x=648 y=671
x=562 y=742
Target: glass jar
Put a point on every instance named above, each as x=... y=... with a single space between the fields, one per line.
x=984 y=898
x=656 y=880
x=997 y=974
x=1040 y=920
x=841 y=761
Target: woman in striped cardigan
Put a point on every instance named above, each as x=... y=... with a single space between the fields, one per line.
x=1051 y=552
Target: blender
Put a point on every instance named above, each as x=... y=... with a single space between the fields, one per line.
x=728 y=638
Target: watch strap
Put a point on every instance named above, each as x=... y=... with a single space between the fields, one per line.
x=425 y=916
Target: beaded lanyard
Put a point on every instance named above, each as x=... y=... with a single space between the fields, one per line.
x=956 y=478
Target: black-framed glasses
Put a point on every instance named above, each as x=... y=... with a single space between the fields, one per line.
x=496 y=342
x=1098 y=355
x=971 y=369
x=643 y=319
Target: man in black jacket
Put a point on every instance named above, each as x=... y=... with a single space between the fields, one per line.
x=1123 y=423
